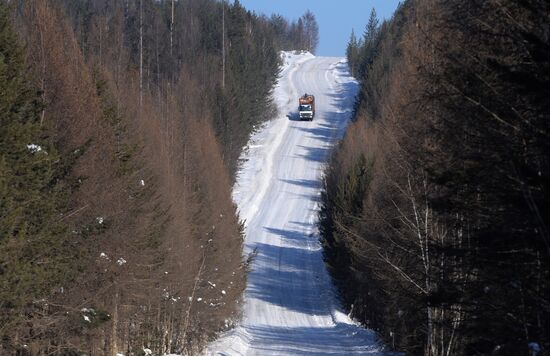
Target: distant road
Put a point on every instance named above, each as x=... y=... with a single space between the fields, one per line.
x=290 y=306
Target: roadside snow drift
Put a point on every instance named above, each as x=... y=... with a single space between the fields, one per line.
x=290 y=306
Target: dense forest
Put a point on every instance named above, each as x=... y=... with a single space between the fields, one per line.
x=121 y=127
x=436 y=210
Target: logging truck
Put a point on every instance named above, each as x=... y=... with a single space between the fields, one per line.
x=306 y=107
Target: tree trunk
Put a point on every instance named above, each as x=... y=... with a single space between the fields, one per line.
x=223 y=44
x=140 y=53
x=172 y=30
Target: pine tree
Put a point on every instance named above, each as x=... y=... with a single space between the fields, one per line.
x=33 y=243
x=352 y=53
x=368 y=51
x=371 y=30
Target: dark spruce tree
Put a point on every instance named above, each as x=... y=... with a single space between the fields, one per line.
x=35 y=249
x=352 y=53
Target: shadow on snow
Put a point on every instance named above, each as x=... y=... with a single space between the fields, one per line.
x=316 y=340
x=306 y=183
x=283 y=281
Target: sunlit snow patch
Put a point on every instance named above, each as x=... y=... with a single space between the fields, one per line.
x=34 y=148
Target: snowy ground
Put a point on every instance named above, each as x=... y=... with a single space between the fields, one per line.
x=290 y=307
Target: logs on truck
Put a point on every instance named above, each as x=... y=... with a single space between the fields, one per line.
x=306 y=108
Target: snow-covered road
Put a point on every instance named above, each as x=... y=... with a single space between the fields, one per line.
x=290 y=307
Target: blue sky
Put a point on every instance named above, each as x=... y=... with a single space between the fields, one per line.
x=335 y=18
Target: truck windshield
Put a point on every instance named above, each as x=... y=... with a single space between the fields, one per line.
x=305 y=107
